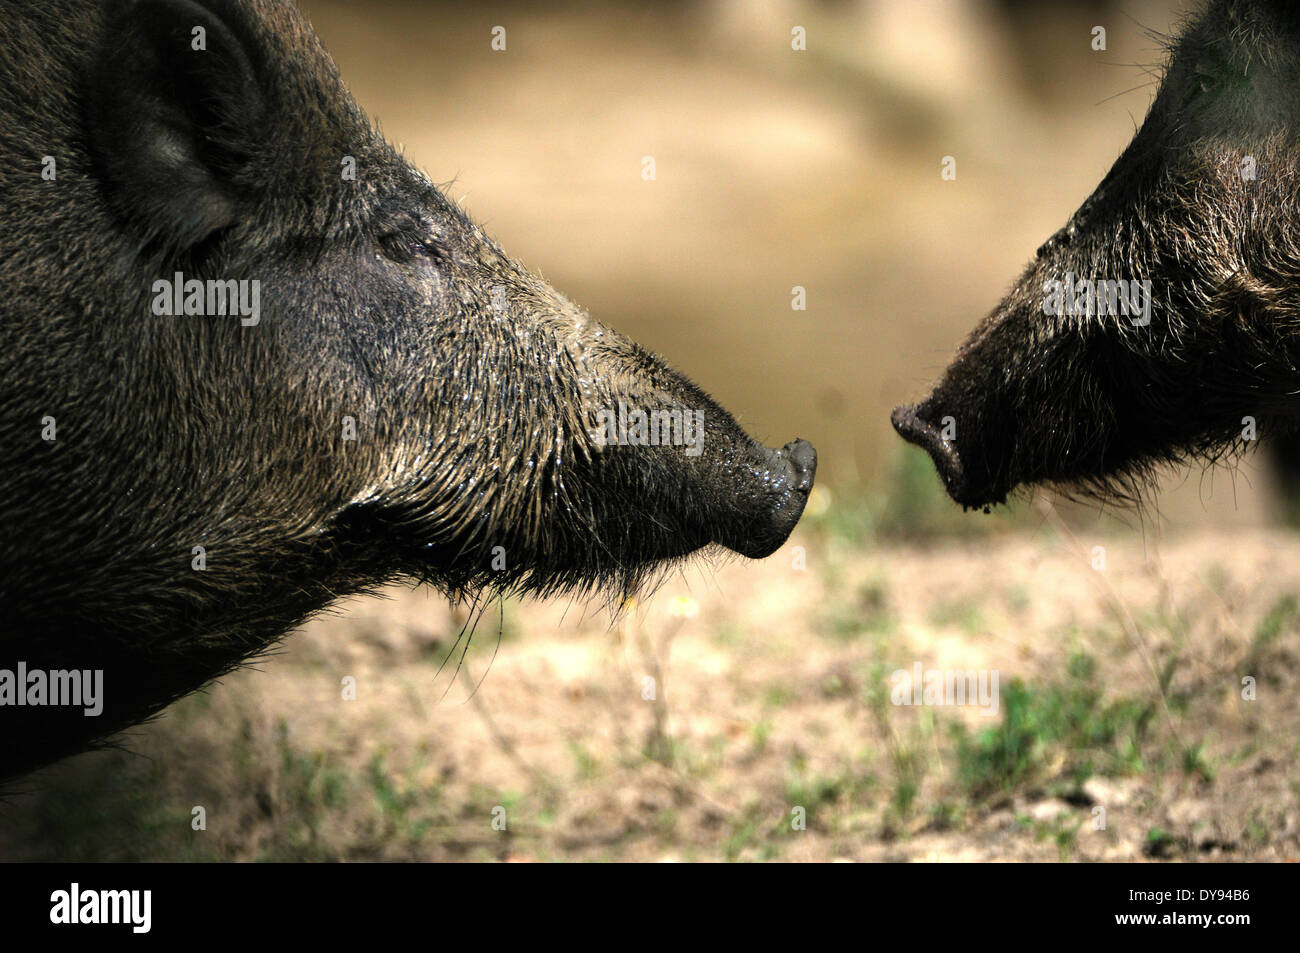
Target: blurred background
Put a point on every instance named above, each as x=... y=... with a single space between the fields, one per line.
x=776 y=168
x=699 y=724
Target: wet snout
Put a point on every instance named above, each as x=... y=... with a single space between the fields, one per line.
x=918 y=425
x=784 y=477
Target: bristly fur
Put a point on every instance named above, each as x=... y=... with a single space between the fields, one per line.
x=1095 y=404
x=413 y=404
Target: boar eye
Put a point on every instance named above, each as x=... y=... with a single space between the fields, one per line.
x=1206 y=77
x=404 y=247
x=1215 y=74
x=1063 y=237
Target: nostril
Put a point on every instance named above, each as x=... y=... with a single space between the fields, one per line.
x=771 y=514
x=908 y=425
x=803 y=460
x=914 y=428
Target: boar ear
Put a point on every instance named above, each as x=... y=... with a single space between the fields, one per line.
x=175 y=114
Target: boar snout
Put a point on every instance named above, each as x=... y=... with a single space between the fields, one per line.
x=787 y=475
x=916 y=430
x=923 y=426
x=1158 y=327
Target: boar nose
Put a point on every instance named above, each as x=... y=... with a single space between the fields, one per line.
x=800 y=463
x=787 y=476
x=915 y=429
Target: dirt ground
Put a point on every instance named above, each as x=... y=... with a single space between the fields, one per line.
x=746 y=713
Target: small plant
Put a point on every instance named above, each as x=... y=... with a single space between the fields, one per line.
x=1280 y=618
x=1062 y=731
x=1160 y=844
